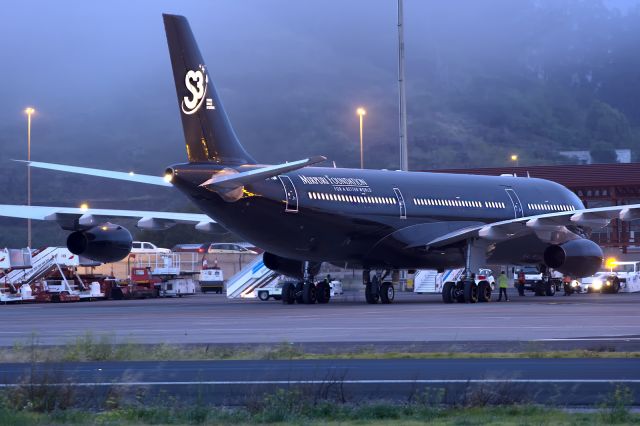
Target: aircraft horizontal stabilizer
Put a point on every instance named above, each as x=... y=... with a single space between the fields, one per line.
x=131 y=177
x=225 y=182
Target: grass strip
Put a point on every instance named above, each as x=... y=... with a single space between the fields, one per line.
x=321 y=414
x=106 y=348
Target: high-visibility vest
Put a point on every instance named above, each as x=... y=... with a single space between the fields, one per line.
x=502 y=281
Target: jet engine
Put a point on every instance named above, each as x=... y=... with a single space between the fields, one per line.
x=289 y=267
x=104 y=243
x=578 y=258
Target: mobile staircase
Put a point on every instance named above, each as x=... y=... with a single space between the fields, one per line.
x=431 y=281
x=254 y=275
x=44 y=263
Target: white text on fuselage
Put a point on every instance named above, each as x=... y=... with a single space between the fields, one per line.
x=339 y=184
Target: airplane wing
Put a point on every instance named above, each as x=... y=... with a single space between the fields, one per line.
x=71 y=218
x=131 y=177
x=555 y=228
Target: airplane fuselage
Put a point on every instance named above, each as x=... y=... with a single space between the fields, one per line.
x=369 y=217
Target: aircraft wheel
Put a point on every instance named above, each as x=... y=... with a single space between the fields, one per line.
x=387 y=293
x=459 y=292
x=371 y=293
x=484 y=292
x=539 y=288
x=550 y=288
x=298 y=297
x=470 y=291
x=309 y=295
x=447 y=292
x=263 y=295
x=288 y=293
x=116 y=293
x=615 y=287
x=323 y=292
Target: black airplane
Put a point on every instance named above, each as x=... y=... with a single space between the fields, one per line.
x=377 y=220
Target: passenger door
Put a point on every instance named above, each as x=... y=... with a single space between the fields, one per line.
x=290 y=193
x=403 y=207
x=517 y=205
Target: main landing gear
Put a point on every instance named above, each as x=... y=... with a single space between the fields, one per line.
x=376 y=289
x=466 y=290
x=306 y=292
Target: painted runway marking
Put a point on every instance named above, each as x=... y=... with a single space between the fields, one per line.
x=347 y=382
x=578 y=339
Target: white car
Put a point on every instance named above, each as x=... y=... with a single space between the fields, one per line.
x=147 y=247
x=486 y=275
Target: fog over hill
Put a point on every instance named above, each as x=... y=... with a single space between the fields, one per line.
x=484 y=79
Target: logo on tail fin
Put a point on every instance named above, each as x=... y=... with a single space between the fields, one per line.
x=196 y=82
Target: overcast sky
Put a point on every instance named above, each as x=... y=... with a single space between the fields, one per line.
x=99 y=71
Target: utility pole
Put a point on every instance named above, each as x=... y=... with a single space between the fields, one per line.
x=404 y=157
x=29 y=111
x=361 y=112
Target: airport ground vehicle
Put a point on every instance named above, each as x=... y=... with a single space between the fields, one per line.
x=621 y=275
x=539 y=283
x=485 y=274
x=147 y=247
x=571 y=285
x=190 y=248
x=211 y=280
x=230 y=248
x=275 y=291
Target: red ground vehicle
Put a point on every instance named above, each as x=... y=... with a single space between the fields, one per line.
x=141 y=285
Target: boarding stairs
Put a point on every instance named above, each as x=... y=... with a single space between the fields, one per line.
x=42 y=262
x=253 y=276
x=430 y=281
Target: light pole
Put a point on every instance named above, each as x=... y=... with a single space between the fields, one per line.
x=361 y=112
x=402 y=100
x=29 y=112
x=515 y=159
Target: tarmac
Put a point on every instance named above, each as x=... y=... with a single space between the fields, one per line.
x=413 y=322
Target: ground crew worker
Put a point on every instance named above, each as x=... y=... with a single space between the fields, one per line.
x=521 y=281
x=566 y=284
x=503 y=283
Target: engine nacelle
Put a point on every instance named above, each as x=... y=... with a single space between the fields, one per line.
x=289 y=267
x=104 y=243
x=578 y=258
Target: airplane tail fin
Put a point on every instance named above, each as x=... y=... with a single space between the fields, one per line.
x=207 y=131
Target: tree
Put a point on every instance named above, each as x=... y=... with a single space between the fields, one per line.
x=607 y=124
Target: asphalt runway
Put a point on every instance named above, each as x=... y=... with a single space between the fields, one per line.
x=554 y=381
x=585 y=319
